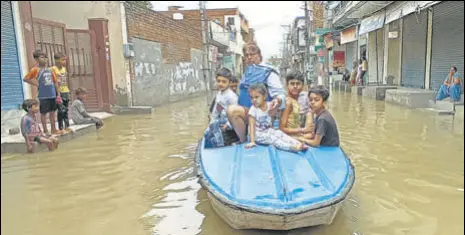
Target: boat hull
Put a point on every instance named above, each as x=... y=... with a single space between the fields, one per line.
x=242 y=219
x=240 y=216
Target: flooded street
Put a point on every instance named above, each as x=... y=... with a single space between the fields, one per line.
x=135 y=176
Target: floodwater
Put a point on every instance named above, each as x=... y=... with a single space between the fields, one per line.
x=135 y=176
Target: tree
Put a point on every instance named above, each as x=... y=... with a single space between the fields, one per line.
x=144 y=4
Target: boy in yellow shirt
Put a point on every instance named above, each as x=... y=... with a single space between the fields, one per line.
x=60 y=71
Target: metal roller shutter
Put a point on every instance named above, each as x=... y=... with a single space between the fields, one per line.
x=447 y=43
x=12 y=85
x=414 y=50
x=351 y=54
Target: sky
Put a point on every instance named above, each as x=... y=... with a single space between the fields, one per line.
x=265 y=17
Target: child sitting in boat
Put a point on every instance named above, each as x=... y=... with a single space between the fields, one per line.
x=232 y=85
x=260 y=123
x=219 y=124
x=326 y=133
x=296 y=120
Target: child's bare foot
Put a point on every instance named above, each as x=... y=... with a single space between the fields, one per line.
x=299 y=147
x=51 y=146
x=304 y=147
x=55 y=143
x=57 y=132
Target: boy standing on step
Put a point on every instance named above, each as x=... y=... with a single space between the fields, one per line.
x=60 y=71
x=44 y=78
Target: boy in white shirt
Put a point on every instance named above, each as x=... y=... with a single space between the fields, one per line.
x=219 y=121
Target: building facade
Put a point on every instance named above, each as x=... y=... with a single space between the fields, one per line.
x=415 y=43
x=233 y=23
x=91 y=42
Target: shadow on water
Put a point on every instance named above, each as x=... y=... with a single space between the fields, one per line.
x=135 y=176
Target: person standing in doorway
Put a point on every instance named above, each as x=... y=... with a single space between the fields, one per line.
x=360 y=73
x=45 y=79
x=364 y=67
x=60 y=71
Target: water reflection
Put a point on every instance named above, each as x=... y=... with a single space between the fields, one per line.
x=135 y=176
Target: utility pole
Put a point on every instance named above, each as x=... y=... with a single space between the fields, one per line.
x=307 y=43
x=206 y=59
x=285 y=60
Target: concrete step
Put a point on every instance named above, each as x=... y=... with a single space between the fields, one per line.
x=445 y=105
x=17 y=144
x=132 y=110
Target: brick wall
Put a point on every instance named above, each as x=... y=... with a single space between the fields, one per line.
x=192 y=17
x=176 y=37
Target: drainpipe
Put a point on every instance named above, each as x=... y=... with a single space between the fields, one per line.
x=127 y=62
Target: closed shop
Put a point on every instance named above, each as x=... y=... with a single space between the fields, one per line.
x=349 y=39
x=393 y=63
x=376 y=56
x=351 y=55
x=447 y=41
x=12 y=85
x=373 y=27
x=414 y=36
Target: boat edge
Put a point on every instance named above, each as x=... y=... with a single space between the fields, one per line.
x=200 y=174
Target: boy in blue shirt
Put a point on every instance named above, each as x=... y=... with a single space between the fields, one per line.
x=45 y=79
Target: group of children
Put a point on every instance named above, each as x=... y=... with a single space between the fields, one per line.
x=304 y=121
x=53 y=95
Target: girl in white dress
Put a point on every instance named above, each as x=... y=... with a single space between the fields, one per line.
x=260 y=123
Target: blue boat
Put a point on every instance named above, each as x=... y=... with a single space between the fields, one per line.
x=266 y=188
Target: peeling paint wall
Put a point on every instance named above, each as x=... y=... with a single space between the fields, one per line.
x=157 y=83
x=167 y=63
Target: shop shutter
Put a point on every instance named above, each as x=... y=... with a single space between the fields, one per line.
x=351 y=54
x=12 y=85
x=447 y=43
x=414 y=50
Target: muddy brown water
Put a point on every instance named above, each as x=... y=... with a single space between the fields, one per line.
x=134 y=176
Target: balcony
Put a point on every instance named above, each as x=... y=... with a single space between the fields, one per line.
x=348 y=12
x=219 y=36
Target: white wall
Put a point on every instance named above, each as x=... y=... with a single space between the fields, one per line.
x=219 y=33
